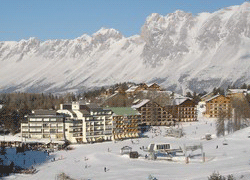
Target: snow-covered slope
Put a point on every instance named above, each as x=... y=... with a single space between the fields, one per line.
x=179 y=51
x=87 y=161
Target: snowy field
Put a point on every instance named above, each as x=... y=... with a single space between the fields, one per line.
x=88 y=161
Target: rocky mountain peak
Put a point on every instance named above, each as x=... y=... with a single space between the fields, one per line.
x=179 y=51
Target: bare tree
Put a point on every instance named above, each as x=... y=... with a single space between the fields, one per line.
x=220 y=124
x=241 y=111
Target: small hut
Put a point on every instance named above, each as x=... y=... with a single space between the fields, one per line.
x=126 y=150
x=133 y=154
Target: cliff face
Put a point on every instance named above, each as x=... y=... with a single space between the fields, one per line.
x=179 y=51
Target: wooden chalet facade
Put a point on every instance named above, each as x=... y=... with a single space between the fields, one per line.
x=183 y=110
x=154 y=87
x=218 y=104
x=143 y=87
x=126 y=123
x=153 y=114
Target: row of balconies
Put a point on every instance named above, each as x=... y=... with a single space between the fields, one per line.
x=76 y=125
x=98 y=133
x=41 y=131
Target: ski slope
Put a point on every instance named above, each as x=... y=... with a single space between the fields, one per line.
x=88 y=161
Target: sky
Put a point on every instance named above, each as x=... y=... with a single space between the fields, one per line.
x=69 y=19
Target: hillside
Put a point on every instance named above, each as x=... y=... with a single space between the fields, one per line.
x=87 y=161
x=180 y=51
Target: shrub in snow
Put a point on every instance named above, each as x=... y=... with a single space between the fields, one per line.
x=63 y=176
x=150 y=177
x=217 y=176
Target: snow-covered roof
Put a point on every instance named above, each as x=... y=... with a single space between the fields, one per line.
x=237 y=90
x=131 y=89
x=213 y=97
x=180 y=100
x=122 y=111
x=152 y=84
x=206 y=96
x=144 y=101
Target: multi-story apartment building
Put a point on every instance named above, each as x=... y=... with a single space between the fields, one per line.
x=87 y=122
x=76 y=122
x=43 y=124
x=126 y=122
x=218 y=104
x=183 y=110
x=153 y=114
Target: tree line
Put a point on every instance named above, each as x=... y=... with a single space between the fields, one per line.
x=17 y=105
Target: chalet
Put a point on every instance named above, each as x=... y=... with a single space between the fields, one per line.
x=218 y=104
x=154 y=87
x=125 y=122
x=143 y=87
x=153 y=114
x=183 y=109
x=135 y=89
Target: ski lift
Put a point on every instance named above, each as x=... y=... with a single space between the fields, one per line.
x=224 y=142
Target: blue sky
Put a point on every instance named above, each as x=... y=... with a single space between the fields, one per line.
x=68 y=19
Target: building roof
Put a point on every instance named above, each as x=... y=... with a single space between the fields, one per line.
x=131 y=89
x=207 y=96
x=83 y=111
x=144 y=101
x=237 y=90
x=149 y=85
x=213 y=97
x=121 y=111
x=44 y=112
x=180 y=100
x=93 y=105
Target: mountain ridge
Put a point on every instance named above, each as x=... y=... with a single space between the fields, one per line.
x=180 y=51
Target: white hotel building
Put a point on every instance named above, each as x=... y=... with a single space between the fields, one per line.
x=76 y=122
x=86 y=122
x=42 y=124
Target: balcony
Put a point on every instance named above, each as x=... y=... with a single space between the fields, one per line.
x=98 y=129
x=40 y=127
x=35 y=132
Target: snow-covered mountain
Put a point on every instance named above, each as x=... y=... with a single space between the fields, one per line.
x=180 y=51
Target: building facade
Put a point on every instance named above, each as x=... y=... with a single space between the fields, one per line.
x=126 y=123
x=87 y=122
x=183 y=110
x=153 y=114
x=46 y=124
x=216 y=105
x=143 y=87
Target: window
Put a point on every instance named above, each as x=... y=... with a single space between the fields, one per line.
x=45 y=119
x=53 y=119
x=45 y=125
x=35 y=124
x=52 y=130
x=35 y=130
